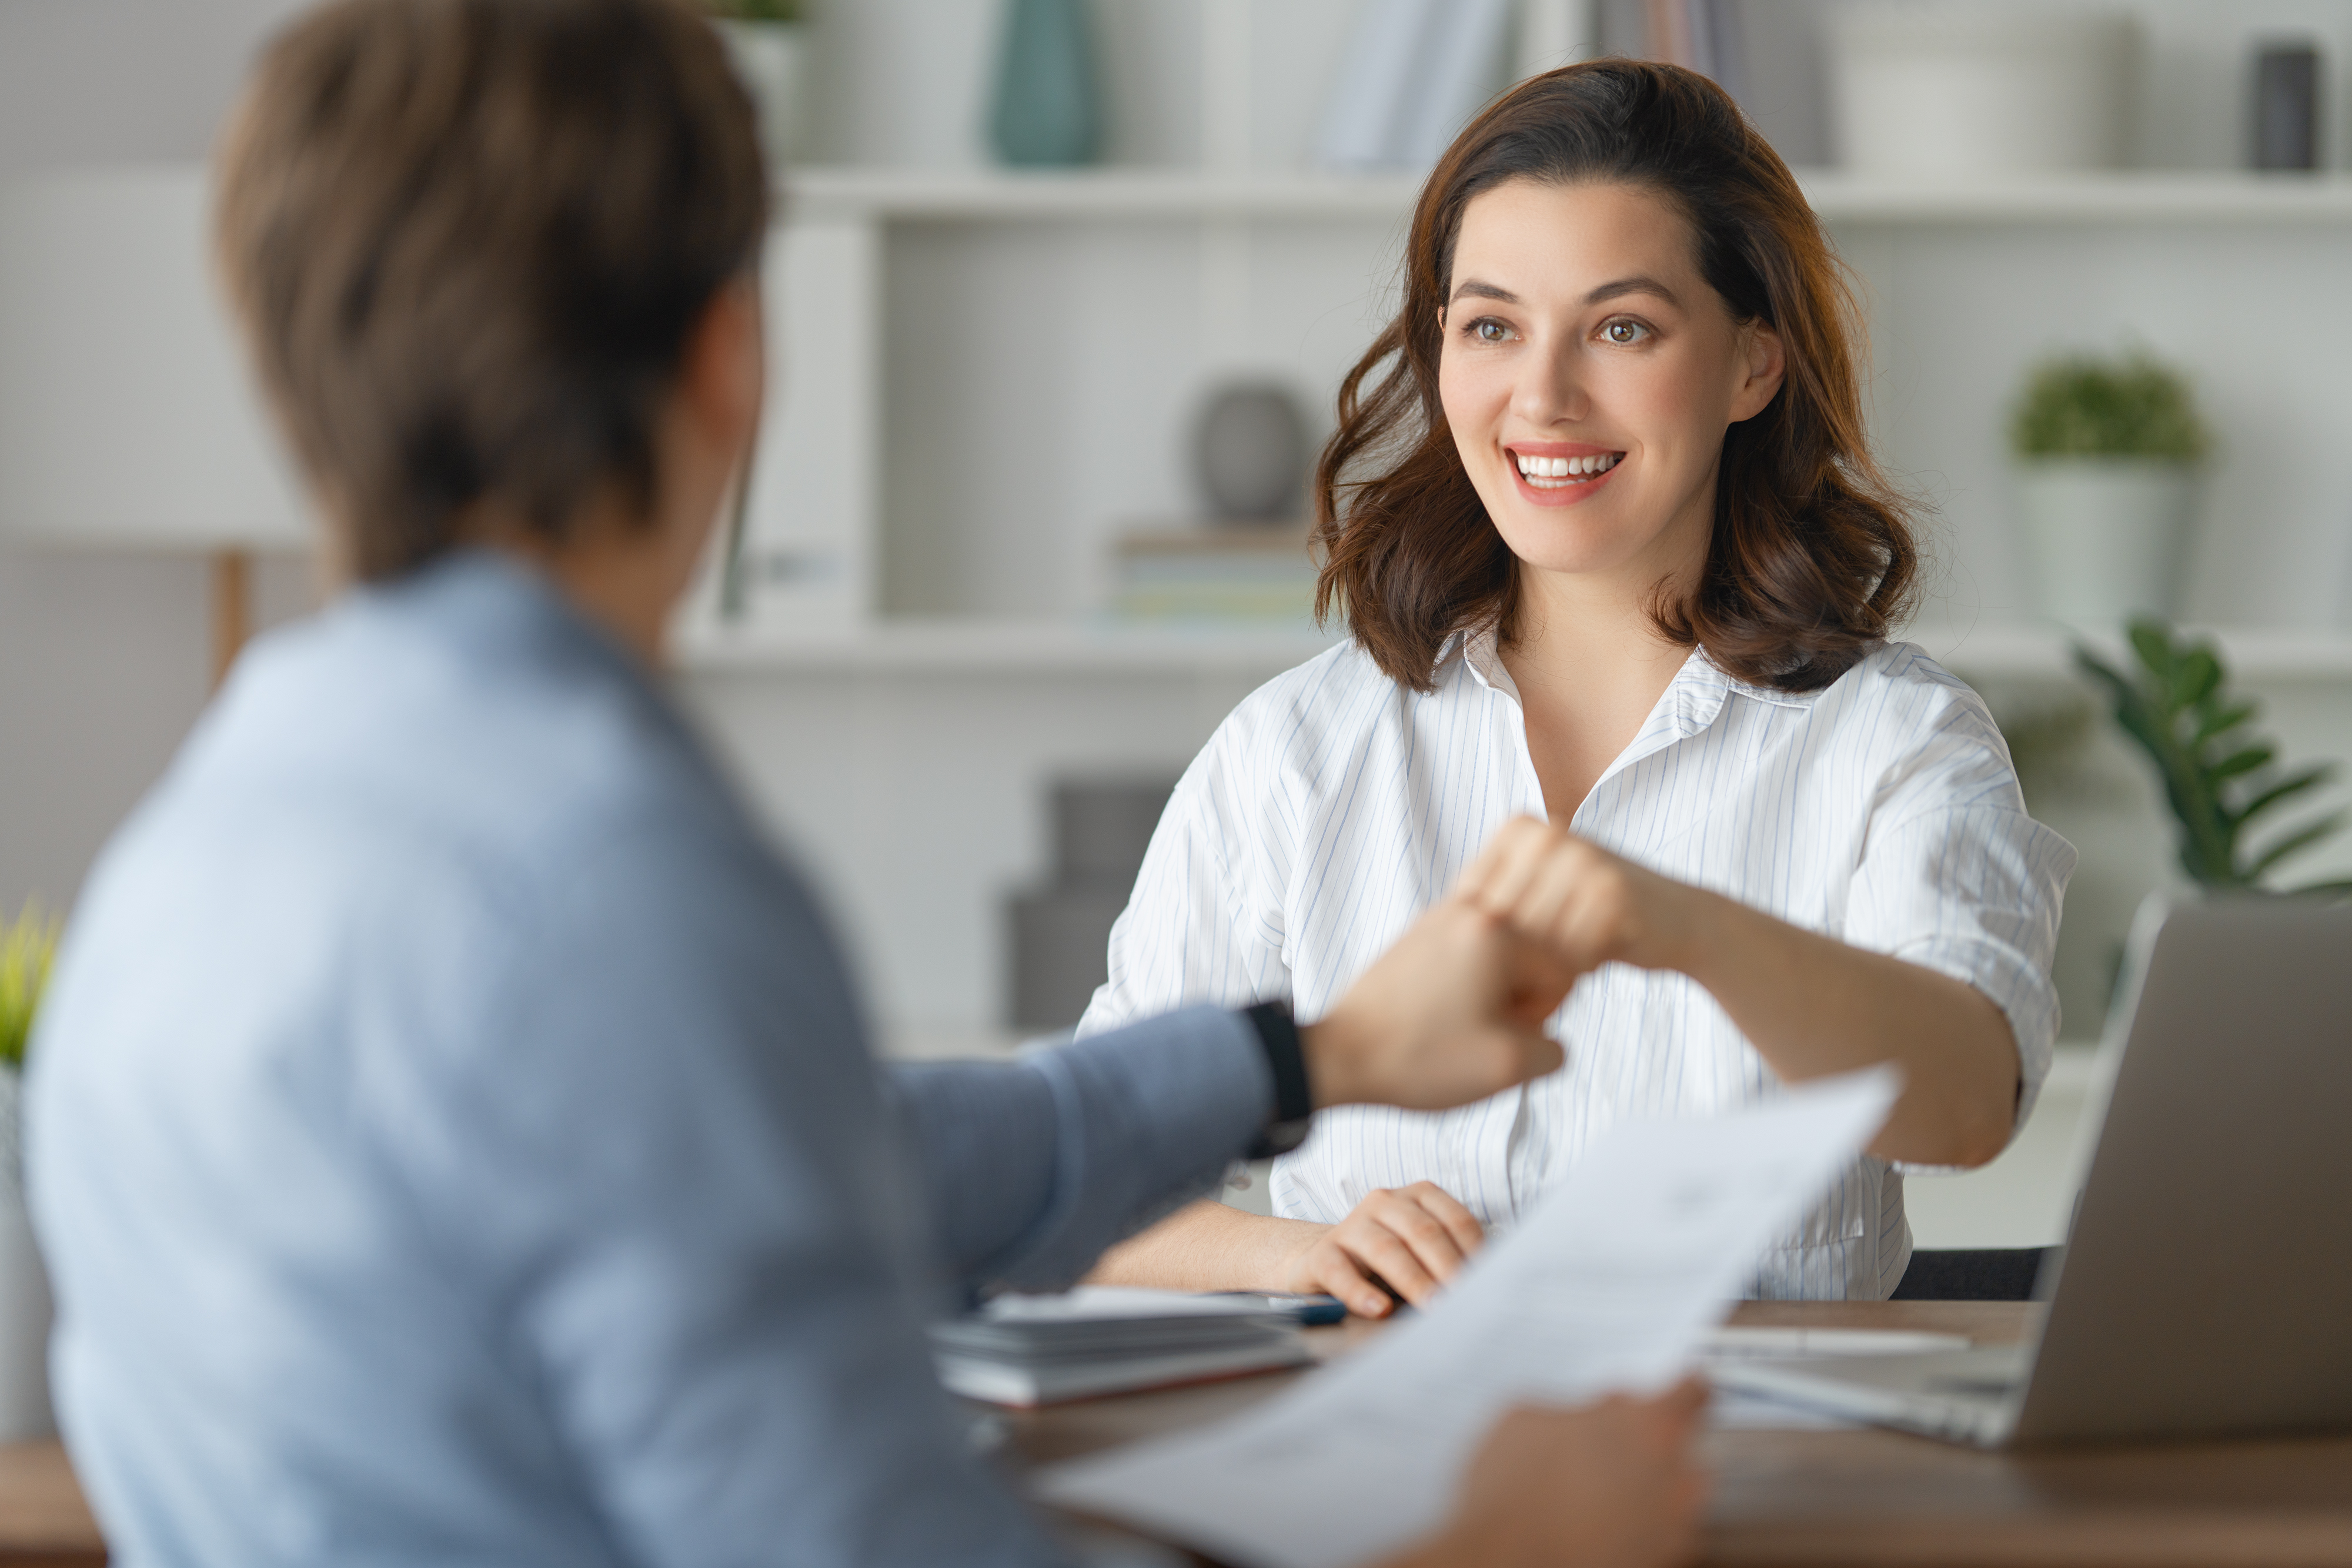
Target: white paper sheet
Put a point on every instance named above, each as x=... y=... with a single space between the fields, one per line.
x=1611 y=1283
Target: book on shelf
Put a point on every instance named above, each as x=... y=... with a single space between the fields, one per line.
x=1411 y=74
x=1027 y=1351
x=1260 y=576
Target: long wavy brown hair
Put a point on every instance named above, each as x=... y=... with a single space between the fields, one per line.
x=1812 y=557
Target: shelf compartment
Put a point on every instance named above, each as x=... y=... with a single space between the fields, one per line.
x=949 y=195
x=957 y=647
x=949 y=646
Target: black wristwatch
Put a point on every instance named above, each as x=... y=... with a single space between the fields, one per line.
x=1293 y=1101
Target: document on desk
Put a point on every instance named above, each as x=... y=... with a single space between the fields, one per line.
x=1609 y=1284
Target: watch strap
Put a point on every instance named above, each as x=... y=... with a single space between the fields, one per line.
x=1294 y=1098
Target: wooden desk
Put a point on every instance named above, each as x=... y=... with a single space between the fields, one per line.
x=44 y=1523
x=1823 y=1499
x=1820 y=1499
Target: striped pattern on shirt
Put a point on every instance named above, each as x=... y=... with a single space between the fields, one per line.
x=1334 y=805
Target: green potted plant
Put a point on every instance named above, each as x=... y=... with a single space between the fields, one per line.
x=26 y=946
x=2219 y=780
x=767 y=39
x=2109 y=452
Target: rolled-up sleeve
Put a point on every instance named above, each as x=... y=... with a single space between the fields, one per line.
x=1956 y=877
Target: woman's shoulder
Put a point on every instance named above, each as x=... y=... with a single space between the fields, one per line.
x=1903 y=683
x=1336 y=697
x=1919 y=728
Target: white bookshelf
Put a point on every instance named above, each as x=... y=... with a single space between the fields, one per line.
x=2251 y=652
x=982 y=377
x=893 y=196
x=883 y=274
x=945 y=647
x=978 y=647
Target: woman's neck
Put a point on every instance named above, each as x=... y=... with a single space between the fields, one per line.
x=1590 y=664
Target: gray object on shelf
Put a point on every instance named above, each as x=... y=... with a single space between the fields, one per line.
x=1249 y=453
x=2286 y=107
x=1059 y=934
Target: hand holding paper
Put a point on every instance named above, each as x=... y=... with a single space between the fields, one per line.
x=1608 y=1287
x=1612 y=1483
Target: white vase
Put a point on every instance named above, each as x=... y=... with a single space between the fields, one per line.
x=1981 y=90
x=25 y=1309
x=772 y=59
x=2105 y=536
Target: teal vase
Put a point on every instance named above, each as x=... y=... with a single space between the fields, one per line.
x=1046 y=114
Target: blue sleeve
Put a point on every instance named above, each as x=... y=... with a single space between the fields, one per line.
x=679 y=1173
x=1031 y=1169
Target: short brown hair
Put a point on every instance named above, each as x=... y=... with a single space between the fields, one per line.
x=469 y=239
x=1812 y=558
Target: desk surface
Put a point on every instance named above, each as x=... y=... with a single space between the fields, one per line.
x=1819 y=1498
x=1828 y=1499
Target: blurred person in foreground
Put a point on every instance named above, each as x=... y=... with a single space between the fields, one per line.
x=453 y=1129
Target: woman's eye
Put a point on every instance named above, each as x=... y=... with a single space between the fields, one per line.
x=1486 y=330
x=1624 y=333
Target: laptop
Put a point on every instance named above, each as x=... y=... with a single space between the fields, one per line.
x=2206 y=1286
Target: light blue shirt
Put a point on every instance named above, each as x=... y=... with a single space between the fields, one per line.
x=453 y=1139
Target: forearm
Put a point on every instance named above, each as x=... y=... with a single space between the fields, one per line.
x=1209 y=1246
x=1813 y=1005
x=1033 y=1168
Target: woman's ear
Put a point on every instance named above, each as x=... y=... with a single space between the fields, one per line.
x=1766 y=362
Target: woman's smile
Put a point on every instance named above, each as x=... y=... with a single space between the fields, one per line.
x=1559 y=473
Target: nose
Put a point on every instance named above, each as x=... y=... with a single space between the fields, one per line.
x=1550 y=387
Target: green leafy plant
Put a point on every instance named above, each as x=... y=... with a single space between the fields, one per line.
x=2218 y=778
x=26 y=946
x=756 y=10
x=2081 y=406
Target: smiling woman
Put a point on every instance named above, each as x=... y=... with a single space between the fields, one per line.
x=1654 y=170
x=1620 y=573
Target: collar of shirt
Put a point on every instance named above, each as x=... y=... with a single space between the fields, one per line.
x=1691 y=703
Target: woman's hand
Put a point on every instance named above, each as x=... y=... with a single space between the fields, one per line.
x=1610 y=1484
x=1811 y=1004
x=1452 y=1013
x=1414 y=1238
x=1588 y=907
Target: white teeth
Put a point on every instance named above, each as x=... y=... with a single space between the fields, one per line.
x=1537 y=469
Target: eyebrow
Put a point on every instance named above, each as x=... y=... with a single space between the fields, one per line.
x=1618 y=288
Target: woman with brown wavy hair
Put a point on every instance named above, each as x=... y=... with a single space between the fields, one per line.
x=1621 y=575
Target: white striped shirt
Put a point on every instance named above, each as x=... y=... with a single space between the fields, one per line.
x=1334 y=805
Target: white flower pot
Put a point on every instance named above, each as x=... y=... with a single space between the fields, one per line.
x=772 y=59
x=1976 y=89
x=25 y=1311
x=2105 y=536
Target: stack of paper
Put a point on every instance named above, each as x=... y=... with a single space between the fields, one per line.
x=1611 y=1283
x=1104 y=1338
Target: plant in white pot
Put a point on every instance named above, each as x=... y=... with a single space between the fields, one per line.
x=2108 y=455
x=769 y=43
x=26 y=946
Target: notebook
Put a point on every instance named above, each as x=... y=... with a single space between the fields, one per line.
x=1027 y=1351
